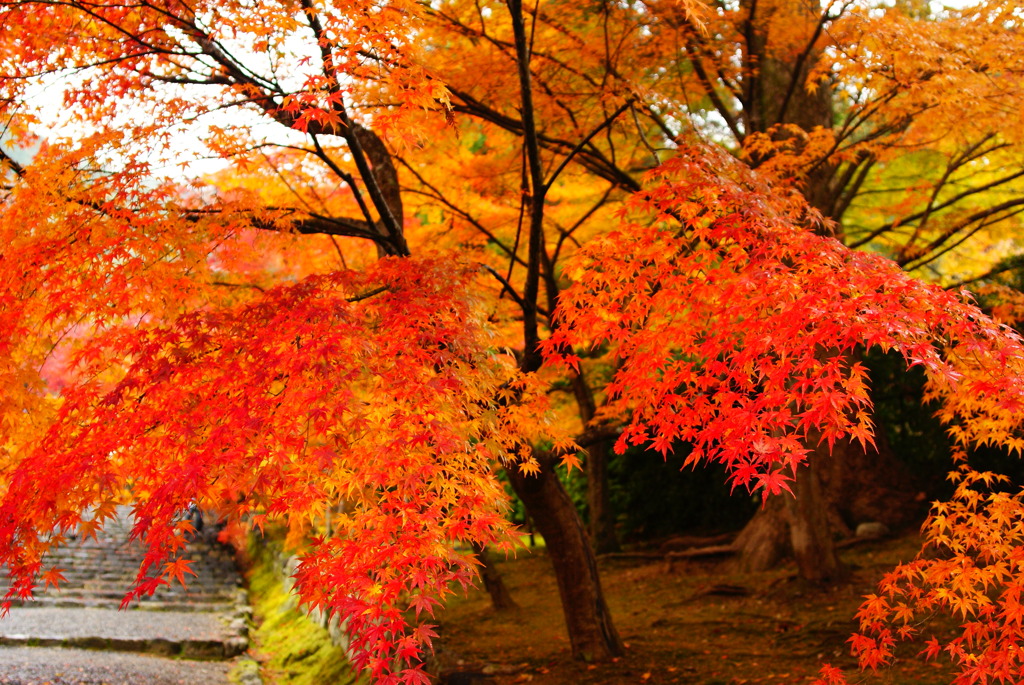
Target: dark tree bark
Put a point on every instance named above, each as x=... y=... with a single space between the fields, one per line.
x=803 y=525
x=764 y=542
x=800 y=526
x=810 y=534
x=592 y=636
x=602 y=516
x=494 y=583
x=850 y=486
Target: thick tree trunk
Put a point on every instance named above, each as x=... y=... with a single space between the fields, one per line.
x=764 y=542
x=794 y=526
x=800 y=526
x=810 y=534
x=834 y=494
x=501 y=598
x=588 y=621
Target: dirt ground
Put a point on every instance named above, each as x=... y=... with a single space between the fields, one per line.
x=693 y=622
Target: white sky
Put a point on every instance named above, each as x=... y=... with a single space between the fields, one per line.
x=46 y=99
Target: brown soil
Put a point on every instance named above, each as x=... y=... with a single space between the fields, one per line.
x=691 y=623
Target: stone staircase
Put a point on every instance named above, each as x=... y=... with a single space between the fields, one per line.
x=98 y=572
x=207 y=619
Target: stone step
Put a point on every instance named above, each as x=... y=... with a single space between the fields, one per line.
x=190 y=635
x=93 y=592
x=222 y=606
x=207 y=619
x=98 y=572
x=40 y=665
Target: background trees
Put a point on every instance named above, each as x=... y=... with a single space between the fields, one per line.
x=419 y=201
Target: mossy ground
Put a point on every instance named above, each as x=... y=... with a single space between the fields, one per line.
x=291 y=649
x=695 y=623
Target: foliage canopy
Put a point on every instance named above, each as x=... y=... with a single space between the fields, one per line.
x=432 y=218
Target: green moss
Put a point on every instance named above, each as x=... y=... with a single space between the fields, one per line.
x=244 y=671
x=292 y=649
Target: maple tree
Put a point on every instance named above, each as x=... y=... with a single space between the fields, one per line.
x=898 y=126
x=456 y=235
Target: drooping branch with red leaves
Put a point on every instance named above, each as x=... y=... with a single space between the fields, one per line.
x=732 y=327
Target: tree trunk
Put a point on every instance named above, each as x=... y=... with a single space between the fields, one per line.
x=810 y=534
x=602 y=518
x=848 y=487
x=764 y=542
x=796 y=526
x=599 y=504
x=833 y=492
x=588 y=621
x=501 y=598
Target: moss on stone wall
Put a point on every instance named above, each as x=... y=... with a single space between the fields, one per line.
x=291 y=648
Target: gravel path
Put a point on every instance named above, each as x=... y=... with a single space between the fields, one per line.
x=42 y=666
x=43 y=623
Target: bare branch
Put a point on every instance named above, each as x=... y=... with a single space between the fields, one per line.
x=568 y=158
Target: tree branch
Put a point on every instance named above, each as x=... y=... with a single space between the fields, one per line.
x=392 y=230
x=985 y=216
x=536 y=192
x=712 y=93
x=568 y=158
x=942 y=205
